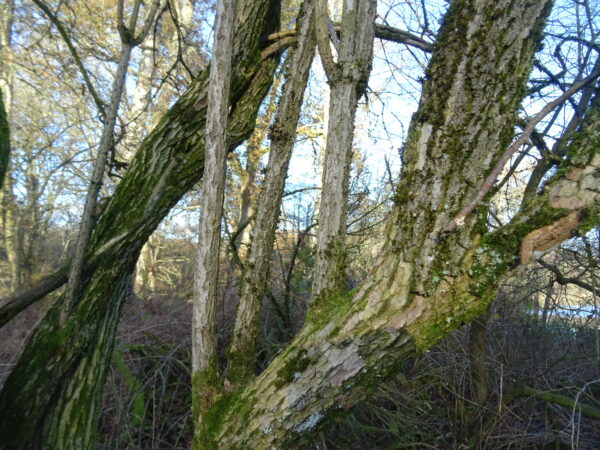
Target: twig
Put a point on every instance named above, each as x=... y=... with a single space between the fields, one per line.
x=493 y=176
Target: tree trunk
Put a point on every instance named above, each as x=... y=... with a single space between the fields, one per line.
x=129 y=40
x=205 y=368
x=428 y=282
x=4 y=142
x=348 y=78
x=242 y=354
x=51 y=397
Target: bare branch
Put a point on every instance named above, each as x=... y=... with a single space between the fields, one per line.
x=563 y=281
x=322 y=34
x=84 y=73
x=491 y=178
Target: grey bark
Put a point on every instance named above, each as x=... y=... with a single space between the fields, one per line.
x=204 y=335
x=242 y=354
x=427 y=282
x=348 y=78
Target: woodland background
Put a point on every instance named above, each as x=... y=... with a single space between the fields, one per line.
x=517 y=377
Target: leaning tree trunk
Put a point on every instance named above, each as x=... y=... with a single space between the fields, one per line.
x=51 y=397
x=242 y=353
x=428 y=281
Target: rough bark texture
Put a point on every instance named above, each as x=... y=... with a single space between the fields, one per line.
x=427 y=283
x=348 y=79
x=87 y=218
x=242 y=354
x=4 y=142
x=129 y=39
x=51 y=397
x=205 y=371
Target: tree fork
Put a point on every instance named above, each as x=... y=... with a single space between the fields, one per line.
x=427 y=282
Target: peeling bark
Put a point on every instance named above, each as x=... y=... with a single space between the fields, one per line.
x=427 y=282
x=205 y=370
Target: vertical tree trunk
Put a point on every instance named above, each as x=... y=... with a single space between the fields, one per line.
x=4 y=142
x=8 y=206
x=242 y=353
x=348 y=79
x=205 y=370
x=51 y=397
x=335 y=10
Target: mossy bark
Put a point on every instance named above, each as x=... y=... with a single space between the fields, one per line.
x=50 y=400
x=428 y=282
x=351 y=344
x=242 y=354
x=4 y=142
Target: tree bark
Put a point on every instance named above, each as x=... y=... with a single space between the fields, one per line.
x=129 y=40
x=51 y=397
x=205 y=369
x=348 y=78
x=427 y=282
x=242 y=354
x=4 y=142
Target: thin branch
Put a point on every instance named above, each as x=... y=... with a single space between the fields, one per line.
x=493 y=176
x=563 y=281
x=384 y=32
x=148 y=23
x=322 y=35
x=84 y=73
x=402 y=37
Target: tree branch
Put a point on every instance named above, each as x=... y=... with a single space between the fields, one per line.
x=557 y=399
x=491 y=178
x=563 y=281
x=322 y=35
x=84 y=73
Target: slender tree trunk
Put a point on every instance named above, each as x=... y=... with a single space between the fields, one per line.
x=4 y=142
x=51 y=397
x=205 y=369
x=242 y=353
x=335 y=11
x=348 y=78
x=129 y=41
x=8 y=206
x=86 y=222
